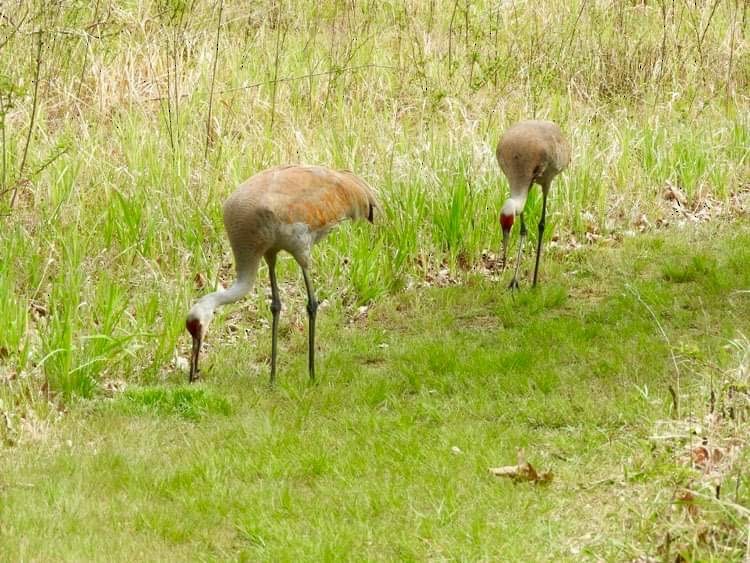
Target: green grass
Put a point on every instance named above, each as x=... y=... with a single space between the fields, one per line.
x=361 y=464
x=188 y=403
x=113 y=175
x=118 y=144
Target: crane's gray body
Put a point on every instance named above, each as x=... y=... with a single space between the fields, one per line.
x=529 y=152
x=291 y=208
x=284 y=208
x=532 y=152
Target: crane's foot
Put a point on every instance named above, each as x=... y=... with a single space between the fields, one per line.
x=513 y=286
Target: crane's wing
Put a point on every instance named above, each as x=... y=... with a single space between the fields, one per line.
x=314 y=195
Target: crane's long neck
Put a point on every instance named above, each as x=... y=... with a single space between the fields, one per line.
x=519 y=191
x=514 y=205
x=519 y=201
x=246 y=273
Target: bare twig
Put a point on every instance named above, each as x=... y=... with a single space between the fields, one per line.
x=708 y=23
x=176 y=88
x=333 y=54
x=86 y=53
x=34 y=105
x=731 y=59
x=170 y=119
x=213 y=80
x=3 y=112
x=280 y=37
x=24 y=181
x=450 y=40
x=565 y=49
x=290 y=79
x=16 y=27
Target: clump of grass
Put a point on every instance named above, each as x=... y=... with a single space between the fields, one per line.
x=386 y=455
x=694 y=506
x=733 y=401
x=690 y=269
x=121 y=137
x=189 y=403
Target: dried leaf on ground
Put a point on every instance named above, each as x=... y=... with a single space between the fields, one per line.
x=686 y=498
x=522 y=471
x=674 y=193
x=704 y=457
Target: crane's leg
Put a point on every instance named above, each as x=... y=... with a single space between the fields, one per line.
x=514 y=281
x=312 y=310
x=541 y=234
x=275 y=311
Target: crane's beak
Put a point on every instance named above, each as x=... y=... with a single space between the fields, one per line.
x=196 y=331
x=506 y=237
x=197 y=341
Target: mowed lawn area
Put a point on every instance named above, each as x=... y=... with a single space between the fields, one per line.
x=386 y=456
x=623 y=379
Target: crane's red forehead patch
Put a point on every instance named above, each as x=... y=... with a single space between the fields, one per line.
x=506 y=221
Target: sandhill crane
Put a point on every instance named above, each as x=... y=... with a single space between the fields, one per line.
x=285 y=208
x=529 y=152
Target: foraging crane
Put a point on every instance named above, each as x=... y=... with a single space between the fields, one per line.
x=529 y=152
x=285 y=208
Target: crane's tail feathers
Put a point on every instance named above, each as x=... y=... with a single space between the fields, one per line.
x=369 y=193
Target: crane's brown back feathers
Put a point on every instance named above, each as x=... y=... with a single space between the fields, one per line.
x=316 y=196
x=258 y=216
x=532 y=151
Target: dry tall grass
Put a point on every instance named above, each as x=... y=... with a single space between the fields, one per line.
x=126 y=123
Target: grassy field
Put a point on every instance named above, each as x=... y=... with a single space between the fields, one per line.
x=387 y=456
x=124 y=125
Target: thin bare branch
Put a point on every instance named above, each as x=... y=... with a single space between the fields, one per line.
x=34 y=106
x=213 y=80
